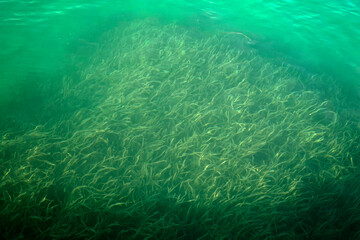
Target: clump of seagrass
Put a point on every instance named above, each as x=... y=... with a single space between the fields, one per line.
x=184 y=137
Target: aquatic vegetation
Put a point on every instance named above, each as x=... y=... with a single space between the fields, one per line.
x=177 y=135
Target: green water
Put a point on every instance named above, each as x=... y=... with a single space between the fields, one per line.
x=179 y=119
x=323 y=38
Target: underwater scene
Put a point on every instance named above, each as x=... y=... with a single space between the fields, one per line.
x=180 y=119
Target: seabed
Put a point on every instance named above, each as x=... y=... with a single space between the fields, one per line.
x=172 y=136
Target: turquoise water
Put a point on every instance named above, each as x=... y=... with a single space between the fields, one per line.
x=179 y=119
x=320 y=37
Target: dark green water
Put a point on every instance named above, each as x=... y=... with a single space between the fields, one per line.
x=179 y=119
